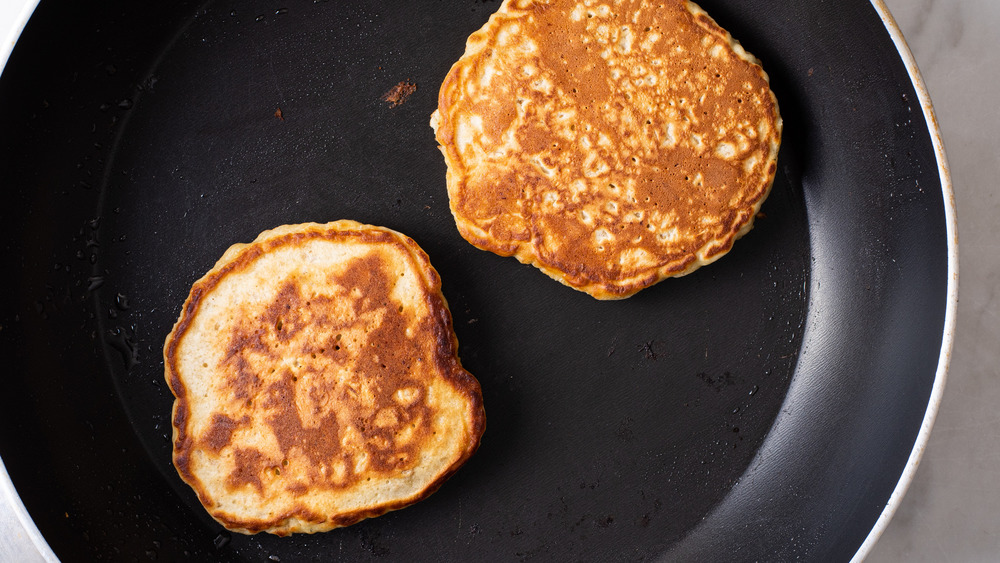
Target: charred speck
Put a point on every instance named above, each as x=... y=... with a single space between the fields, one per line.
x=718 y=382
x=222 y=540
x=647 y=350
x=399 y=93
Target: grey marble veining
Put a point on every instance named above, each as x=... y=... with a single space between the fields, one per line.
x=952 y=509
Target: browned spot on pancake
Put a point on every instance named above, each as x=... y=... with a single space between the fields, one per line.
x=373 y=369
x=250 y=464
x=220 y=432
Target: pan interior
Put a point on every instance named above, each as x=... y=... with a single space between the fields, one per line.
x=192 y=127
x=608 y=423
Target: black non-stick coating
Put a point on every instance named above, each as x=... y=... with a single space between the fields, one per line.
x=761 y=408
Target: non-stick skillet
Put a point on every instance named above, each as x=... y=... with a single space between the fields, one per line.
x=763 y=408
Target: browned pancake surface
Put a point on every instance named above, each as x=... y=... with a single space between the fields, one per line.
x=609 y=144
x=317 y=381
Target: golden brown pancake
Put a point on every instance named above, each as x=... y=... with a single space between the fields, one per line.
x=317 y=380
x=610 y=144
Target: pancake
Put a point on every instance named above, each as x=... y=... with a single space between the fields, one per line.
x=611 y=147
x=317 y=381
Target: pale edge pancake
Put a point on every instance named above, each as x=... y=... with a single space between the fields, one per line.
x=524 y=251
x=453 y=395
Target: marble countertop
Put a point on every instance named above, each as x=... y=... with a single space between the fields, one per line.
x=951 y=511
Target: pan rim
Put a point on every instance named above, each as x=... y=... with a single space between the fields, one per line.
x=33 y=538
x=13 y=513
x=951 y=307
x=12 y=510
x=17 y=27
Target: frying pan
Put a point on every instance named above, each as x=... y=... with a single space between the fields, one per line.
x=770 y=406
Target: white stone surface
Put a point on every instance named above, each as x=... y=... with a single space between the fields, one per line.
x=952 y=509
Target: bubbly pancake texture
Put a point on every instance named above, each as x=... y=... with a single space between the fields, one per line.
x=610 y=144
x=317 y=381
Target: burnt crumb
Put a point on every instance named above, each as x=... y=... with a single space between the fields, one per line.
x=222 y=540
x=606 y=521
x=530 y=554
x=717 y=382
x=647 y=350
x=279 y=114
x=399 y=93
x=624 y=432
